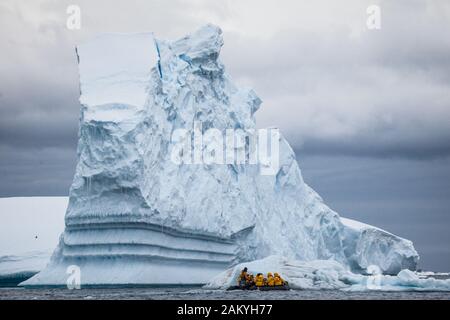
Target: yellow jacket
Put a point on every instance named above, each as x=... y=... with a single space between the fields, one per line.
x=278 y=281
x=259 y=280
x=270 y=280
x=242 y=276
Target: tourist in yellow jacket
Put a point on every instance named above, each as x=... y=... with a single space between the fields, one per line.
x=259 y=280
x=278 y=280
x=243 y=277
x=250 y=281
x=270 y=280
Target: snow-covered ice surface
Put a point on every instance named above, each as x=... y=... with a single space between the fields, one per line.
x=136 y=217
x=329 y=274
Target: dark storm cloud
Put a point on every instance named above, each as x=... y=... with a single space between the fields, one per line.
x=38 y=106
x=35 y=118
x=332 y=86
x=36 y=171
x=378 y=93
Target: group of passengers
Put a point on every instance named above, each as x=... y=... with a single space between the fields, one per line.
x=247 y=280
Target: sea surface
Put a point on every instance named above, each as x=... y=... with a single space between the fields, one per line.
x=191 y=293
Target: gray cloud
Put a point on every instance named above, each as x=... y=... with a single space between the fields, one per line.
x=36 y=171
x=380 y=93
x=331 y=85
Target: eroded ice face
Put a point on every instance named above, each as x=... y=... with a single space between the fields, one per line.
x=115 y=68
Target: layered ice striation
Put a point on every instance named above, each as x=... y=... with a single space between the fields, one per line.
x=135 y=216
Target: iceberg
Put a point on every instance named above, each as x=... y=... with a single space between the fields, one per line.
x=136 y=217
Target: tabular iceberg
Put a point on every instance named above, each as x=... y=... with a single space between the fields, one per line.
x=136 y=217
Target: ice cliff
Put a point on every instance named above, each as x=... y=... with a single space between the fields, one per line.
x=134 y=216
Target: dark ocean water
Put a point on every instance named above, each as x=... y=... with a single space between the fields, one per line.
x=186 y=293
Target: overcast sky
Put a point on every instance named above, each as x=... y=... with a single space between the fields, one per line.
x=367 y=111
